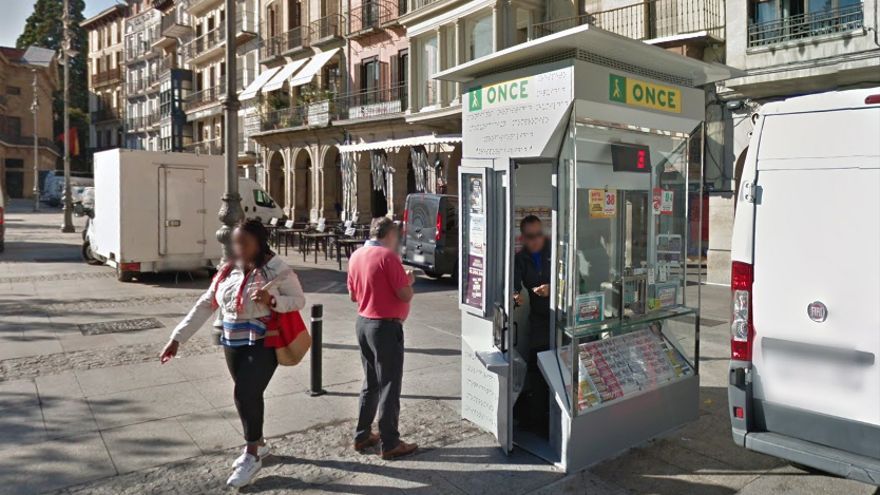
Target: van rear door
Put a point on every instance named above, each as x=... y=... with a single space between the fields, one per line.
x=181 y=211
x=421 y=228
x=816 y=374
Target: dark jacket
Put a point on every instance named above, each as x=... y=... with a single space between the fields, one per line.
x=528 y=275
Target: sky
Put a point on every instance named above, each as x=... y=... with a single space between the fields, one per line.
x=16 y=12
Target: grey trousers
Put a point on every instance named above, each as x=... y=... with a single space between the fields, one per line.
x=381 y=343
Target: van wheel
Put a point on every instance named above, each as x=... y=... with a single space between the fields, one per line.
x=124 y=276
x=89 y=255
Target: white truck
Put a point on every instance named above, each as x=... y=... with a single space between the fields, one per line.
x=805 y=333
x=155 y=212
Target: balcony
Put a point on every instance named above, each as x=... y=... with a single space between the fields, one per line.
x=173 y=26
x=326 y=29
x=649 y=20
x=209 y=147
x=133 y=124
x=107 y=77
x=370 y=16
x=105 y=115
x=373 y=104
x=135 y=87
x=809 y=25
x=205 y=46
x=285 y=43
x=205 y=97
x=315 y=114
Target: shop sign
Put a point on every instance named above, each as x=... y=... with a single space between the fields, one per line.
x=637 y=93
x=602 y=203
x=517 y=117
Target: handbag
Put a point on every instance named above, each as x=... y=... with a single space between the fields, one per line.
x=288 y=335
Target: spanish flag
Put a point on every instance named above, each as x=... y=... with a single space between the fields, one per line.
x=72 y=141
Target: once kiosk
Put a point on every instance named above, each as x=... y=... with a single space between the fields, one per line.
x=600 y=136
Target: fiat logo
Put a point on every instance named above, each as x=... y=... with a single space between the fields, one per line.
x=817 y=311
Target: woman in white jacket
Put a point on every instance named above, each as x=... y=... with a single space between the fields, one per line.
x=245 y=306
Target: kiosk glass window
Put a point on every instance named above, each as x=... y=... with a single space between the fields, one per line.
x=622 y=233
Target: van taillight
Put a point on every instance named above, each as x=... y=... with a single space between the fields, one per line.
x=872 y=99
x=742 y=331
x=439 y=227
x=403 y=225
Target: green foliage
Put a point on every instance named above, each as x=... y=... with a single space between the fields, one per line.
x=44 y=28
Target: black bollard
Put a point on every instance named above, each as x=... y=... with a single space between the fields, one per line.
x=317 y=329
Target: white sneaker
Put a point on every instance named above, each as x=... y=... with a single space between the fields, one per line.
x=262 y=451
x=245 y=471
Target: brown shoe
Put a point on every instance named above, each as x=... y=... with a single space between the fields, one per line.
x=372 y=440
x=401 y=450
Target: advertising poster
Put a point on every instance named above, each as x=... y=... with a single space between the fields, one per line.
x=602 y=203
x=669 y=249
x=475 y=276
x=666 y=201
x=475 y=229
x=588 y=307
x=667 y=294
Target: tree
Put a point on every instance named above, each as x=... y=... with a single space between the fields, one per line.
x=45 y=28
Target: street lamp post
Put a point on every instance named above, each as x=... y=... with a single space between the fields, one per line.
x=65 y=49
x=230 y=211
x=35 y=107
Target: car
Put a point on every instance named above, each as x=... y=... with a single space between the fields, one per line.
x=804 y=373
x=429 y=233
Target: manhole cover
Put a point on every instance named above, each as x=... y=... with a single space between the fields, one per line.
x=131 y=325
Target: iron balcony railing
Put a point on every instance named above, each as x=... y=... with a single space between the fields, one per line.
x=209 y=147
x=173 y=24
x=326 y=28
x=205 y=97
x=105 y=115
x=371 y=14
x=375 y=103
x=135 y=86
x=210 y=40
x=283 y=118
x=647 y=20
x=286 y=42
x=134 y=123
x=27 y=140
x=107 y=77
x=808 y=25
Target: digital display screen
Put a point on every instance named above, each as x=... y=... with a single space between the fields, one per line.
x=630 y=157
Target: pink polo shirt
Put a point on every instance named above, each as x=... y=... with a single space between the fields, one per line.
x=375 y=273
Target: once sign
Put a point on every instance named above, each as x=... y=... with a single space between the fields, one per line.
x=634 y=92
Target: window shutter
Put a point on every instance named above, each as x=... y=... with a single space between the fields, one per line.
x=384 y=76
x=394 y=64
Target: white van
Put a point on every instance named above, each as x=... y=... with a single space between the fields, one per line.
x=805 y=333
x=256 y=202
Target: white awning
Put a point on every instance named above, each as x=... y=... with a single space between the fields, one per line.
x=277 y=81
x=399 y=143
x=257 y=84
x=308 y=72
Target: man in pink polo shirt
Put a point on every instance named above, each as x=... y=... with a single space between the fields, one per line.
x=382 y=289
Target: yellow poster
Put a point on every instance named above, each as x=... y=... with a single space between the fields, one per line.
x=602 y=203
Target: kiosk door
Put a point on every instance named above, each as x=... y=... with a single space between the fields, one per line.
x=492 y=368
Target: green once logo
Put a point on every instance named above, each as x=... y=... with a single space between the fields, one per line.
x=617 y=88
x=475 y=99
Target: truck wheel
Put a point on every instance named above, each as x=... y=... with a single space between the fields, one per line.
x=87 y=253
x=124 y=276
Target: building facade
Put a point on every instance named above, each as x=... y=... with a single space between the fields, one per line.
x=19 y=83
x=786 y=48
x=105 y=78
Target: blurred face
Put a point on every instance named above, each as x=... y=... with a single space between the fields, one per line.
x=244 y=246
x=533 y=237
x=392 y=240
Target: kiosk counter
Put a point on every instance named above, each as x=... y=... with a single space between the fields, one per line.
x=601 y=137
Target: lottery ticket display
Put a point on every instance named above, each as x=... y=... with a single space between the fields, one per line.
x=611 y=369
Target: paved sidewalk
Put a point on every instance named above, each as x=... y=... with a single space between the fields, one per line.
x=90 y=412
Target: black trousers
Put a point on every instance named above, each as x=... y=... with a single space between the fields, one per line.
x=381 y=343
x=251 y=367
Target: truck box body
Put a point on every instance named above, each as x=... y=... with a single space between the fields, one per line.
x=157 y=209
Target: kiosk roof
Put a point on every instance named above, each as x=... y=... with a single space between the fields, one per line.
x=596 y=41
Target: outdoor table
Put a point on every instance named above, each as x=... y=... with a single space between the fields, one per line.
x=291 y=236
x=349 y=244
x=320 y=239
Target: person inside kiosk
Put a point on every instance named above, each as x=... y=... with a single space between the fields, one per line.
x=532 y=270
